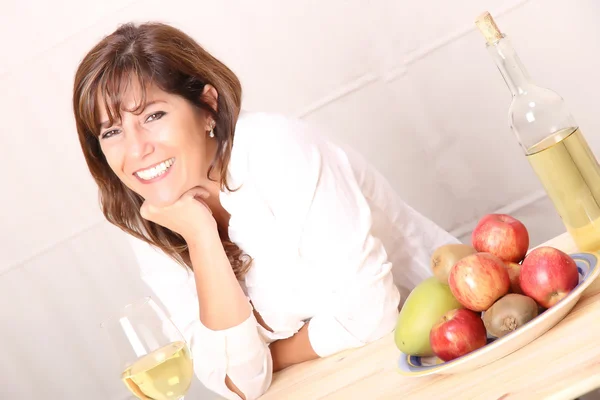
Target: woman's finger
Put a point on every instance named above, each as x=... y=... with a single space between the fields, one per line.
x=197 y=191
x=200 y=199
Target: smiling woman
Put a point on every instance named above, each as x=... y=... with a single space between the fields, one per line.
x=299 y=249
x=167 y=134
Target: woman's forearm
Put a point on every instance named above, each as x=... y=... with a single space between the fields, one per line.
x=223 y=303
x=293 y=350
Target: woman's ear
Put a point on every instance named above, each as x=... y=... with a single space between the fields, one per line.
x=210 y=96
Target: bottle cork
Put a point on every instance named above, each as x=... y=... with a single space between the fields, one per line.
x=488 y=28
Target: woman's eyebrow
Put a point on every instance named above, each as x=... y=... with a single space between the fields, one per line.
x=106 y=124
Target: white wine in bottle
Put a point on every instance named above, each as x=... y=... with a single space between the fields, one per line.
x=164 y=374
x=551 y=140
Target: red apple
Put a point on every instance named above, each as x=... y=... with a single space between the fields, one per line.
x=478 y=280
x=457 y=333
x=514 y=272
x=503 y=236
x=548 y=275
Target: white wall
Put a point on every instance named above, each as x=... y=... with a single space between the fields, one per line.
x=408 y=83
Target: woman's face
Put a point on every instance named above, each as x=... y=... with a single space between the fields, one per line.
x=161 y=152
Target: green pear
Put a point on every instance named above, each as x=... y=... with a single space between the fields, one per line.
x=425 y=305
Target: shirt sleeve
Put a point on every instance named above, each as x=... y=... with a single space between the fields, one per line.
x=240 y=352
x=319 y=207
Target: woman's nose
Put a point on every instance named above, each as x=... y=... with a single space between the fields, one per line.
x=138 y=142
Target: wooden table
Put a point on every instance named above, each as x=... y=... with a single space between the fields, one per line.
x=561 y=364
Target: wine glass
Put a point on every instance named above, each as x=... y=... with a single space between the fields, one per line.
x=156 y=362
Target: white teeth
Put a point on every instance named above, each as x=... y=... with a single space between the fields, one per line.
x=155 y=171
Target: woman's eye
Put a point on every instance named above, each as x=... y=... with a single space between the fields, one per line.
x=108 y=134
x=155 y=116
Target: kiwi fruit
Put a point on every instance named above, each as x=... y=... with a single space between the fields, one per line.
x=444 y=257
x=509 y=313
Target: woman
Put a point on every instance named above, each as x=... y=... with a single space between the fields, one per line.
x=290 y=239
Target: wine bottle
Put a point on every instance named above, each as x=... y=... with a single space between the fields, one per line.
x=551 y=140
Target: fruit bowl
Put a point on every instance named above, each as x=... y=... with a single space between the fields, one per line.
x=588 y=268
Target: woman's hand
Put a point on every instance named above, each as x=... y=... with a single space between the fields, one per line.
x=189 y=216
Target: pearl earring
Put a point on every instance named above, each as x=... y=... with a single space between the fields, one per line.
x=212 y=127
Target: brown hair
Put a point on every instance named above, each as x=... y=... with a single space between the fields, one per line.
x=165 y=56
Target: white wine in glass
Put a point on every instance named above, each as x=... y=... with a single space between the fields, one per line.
x=156 y=363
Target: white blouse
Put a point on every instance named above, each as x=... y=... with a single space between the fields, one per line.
x=331 y=242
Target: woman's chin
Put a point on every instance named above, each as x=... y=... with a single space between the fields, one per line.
x=163 y=199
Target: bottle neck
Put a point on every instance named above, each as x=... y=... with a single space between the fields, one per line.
x=510 y=66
